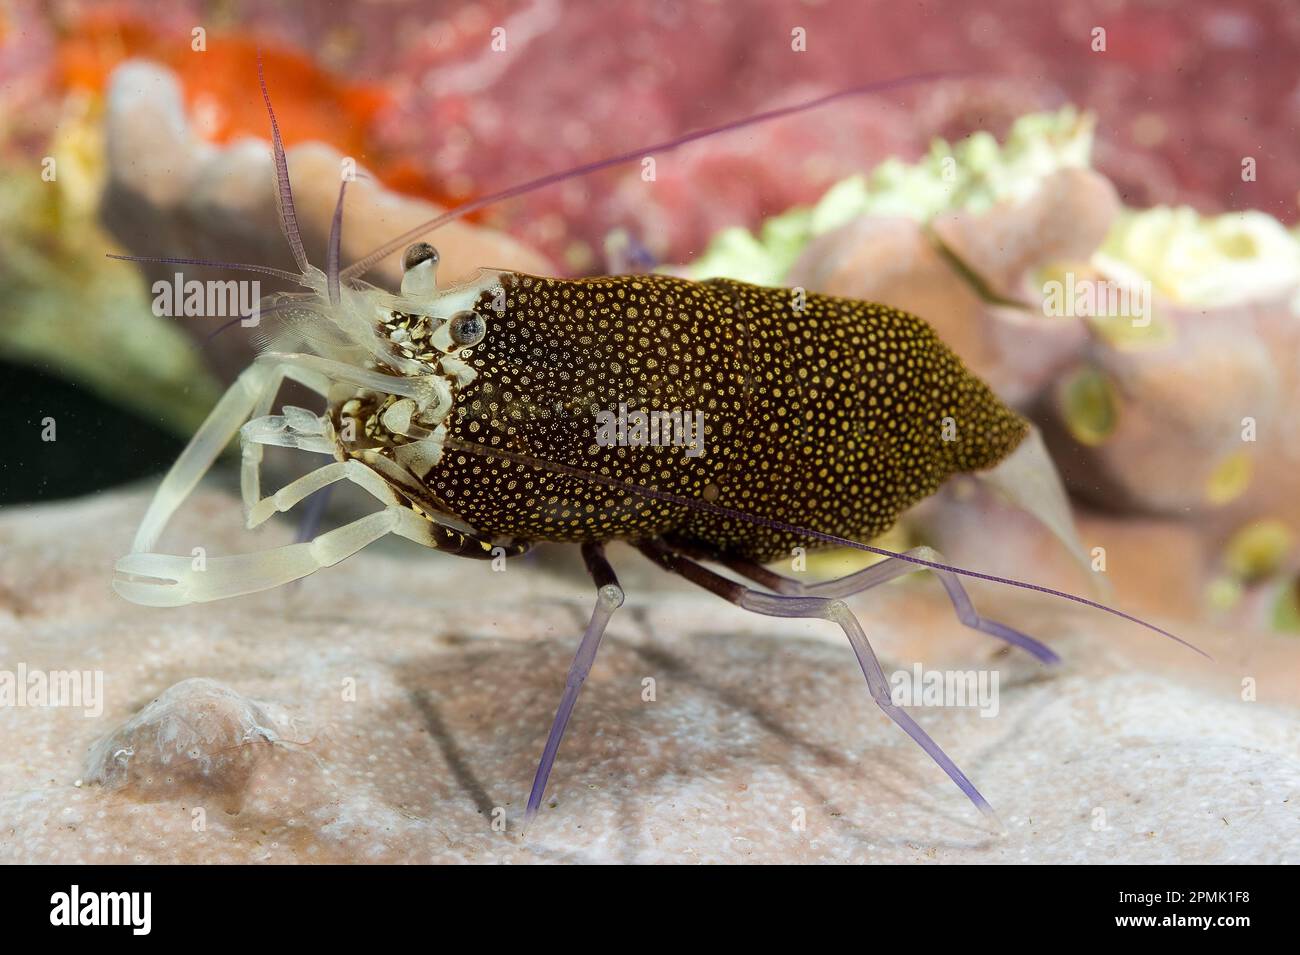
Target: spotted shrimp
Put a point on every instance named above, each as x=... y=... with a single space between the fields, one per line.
x=467 y=413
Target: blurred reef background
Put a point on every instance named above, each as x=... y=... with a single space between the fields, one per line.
x=1167 y=157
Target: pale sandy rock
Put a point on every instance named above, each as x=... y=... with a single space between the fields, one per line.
x=198 y=737
x=1179 y=407
x=1060 y=224
x=409 y=694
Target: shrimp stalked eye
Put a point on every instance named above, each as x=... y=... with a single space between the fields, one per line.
x=417 y=253
x=420 y=269
x=467 y=328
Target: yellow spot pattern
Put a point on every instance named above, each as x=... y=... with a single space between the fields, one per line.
x=821 y=412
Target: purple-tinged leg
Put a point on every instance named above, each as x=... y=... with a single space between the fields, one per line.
x=609 y=597
x=886 y=571
x=825 y=608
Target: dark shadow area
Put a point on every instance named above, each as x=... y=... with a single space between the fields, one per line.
x=96 y=445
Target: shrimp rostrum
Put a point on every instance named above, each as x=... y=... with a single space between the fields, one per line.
x=702 y=422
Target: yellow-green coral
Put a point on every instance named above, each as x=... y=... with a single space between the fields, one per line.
x=974 y=174
x=1203 y=260
x=1257 y=550
x=1188 y=258
x=1286 y=611
x=65 y=307
x=1089 y=405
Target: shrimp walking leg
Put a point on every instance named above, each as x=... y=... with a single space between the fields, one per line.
x=888 y=570
x=609 y=597
x=825 y=608
x=252 y=391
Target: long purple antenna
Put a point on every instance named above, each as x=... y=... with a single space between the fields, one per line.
x=473 y=447
x=283 y=192
x=364 y=265
x=336 y=238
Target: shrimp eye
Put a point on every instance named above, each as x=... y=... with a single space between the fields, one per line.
x=467 y=328
x=420 y=252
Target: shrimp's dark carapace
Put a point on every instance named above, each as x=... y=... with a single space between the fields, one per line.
x=817 y=411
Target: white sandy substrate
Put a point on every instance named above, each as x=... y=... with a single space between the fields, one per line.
x=392 y=709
